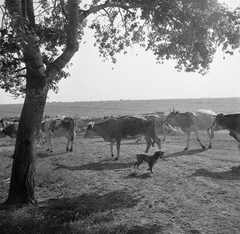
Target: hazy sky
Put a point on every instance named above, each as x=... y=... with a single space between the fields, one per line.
x=137 y=76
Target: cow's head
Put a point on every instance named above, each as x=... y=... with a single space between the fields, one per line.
x=217 y=123
x=89 y=130
x=170 y=118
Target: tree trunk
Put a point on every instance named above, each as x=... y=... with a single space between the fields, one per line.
x=37 y=83
x=23 y=169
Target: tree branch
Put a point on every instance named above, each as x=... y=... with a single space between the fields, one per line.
x=72 y=43
x=93 y=10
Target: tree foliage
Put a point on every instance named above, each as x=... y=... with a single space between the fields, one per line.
x=188 y=31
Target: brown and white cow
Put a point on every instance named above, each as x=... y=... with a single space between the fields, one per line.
x=115 y=129
x=58 y=127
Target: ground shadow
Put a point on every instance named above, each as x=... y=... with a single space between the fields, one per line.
x=91 y=203
x=138 y=176
x=183 y=153
x=46 y=154
x=125 y=142
x=232 y=174
x=51 y=216
x=136 y=229
x=99 y=166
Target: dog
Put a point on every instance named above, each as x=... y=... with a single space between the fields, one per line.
x=151 y=160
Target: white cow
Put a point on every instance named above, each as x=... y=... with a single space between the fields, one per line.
x=193 y=122
x=58 y=127
x=205 y=120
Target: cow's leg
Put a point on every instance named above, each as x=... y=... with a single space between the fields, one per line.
x=197 y=136
x=71 y=139
x=157 y=140
x=164 y=132
x=188 y=137
x=210 y=137
x=212 y=132
x=49 y=143
x=149 y=143
x=71 y=145
x=68 y=142
x=118 y=143
x=50 y=147
x=238 y=146
x=111 y=148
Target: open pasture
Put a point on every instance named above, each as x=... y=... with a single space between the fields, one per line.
x=84 y=191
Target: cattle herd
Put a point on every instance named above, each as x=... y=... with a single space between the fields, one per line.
x=115 y=128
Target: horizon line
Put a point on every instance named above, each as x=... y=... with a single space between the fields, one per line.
x=122 y=100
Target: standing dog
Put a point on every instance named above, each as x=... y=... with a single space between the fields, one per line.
x=151 y=160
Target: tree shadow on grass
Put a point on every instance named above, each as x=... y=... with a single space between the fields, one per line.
x=233 y=174
x=95 y=166
x=183 y=153
x=94 y=202
x=127 y=229
x=75 y=214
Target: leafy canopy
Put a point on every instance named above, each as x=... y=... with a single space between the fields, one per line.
x=188 y=31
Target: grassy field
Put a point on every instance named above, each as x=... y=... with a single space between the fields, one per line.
x=99 y=109
x=84 y=191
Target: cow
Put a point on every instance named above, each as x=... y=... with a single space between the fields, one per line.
x=205 y=120
x=186 y=121
x=9 y=120
x=1 y=123
x=10 y=130
x=58 y=127
x=116 y=128
x=230 y=122
x=79 y=124
x=160 y=126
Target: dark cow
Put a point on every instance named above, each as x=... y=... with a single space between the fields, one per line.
x=59 y=127
x=187 y=122
x=10 y=130
x=230 y=122
x=1 y=123
x=114 y=129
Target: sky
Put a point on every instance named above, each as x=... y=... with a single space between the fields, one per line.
x=136 y=76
